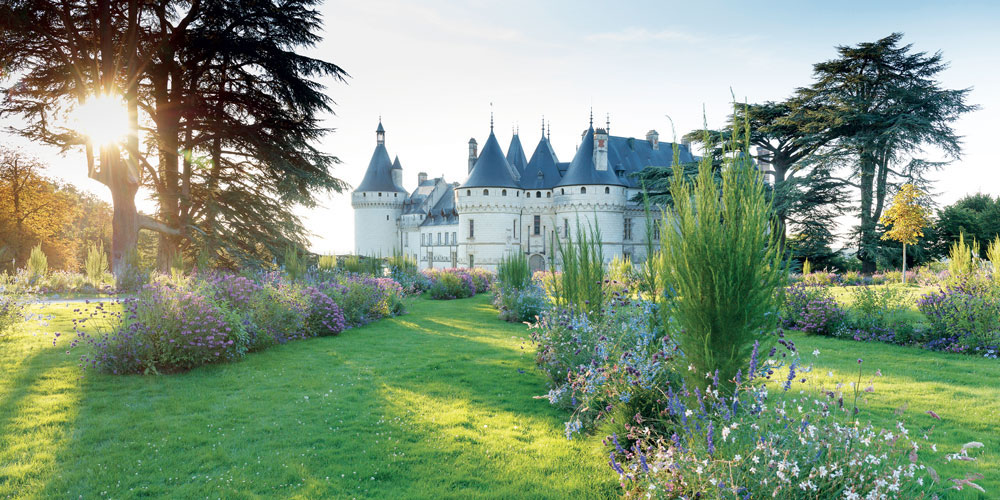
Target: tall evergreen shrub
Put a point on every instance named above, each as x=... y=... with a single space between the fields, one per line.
x=719 y=252
x=96 y=264
x=38 y=264
x=513 y=271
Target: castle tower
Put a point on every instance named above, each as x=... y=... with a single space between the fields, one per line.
x=592 y=193
x=489 y=206
x=378 y=203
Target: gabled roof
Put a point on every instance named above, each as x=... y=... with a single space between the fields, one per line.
x=378 y=177
x=515 y=155
x=542 y=171
x=492 y=168
x=582 y=170
x=443 y=212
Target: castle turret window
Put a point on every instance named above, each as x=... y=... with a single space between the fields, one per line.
x=583 y=190
x=472 y=229
x=537 y=223
x=607 y=190
x=503 y=193
x=486 y=192
x=538 y=194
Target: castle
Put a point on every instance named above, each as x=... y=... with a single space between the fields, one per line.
x=510 y=203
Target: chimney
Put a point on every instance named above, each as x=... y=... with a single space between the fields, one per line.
x=421 y=177
x=473 y=153
x=653 y=137
x=601 y=149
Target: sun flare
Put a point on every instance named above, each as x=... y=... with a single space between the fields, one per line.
x=103 y=119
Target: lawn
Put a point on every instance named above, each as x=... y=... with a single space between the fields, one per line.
x=436 y=404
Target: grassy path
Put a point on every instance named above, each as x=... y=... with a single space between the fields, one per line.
x=434 y=404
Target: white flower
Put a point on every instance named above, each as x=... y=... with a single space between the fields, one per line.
x=816 y=353
x=738 y=457
x=688 y=413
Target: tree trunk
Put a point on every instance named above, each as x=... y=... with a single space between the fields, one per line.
x=125 y=221
x=866 y=245
x=904 y=263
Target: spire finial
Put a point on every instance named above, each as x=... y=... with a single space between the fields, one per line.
x=608 y=123
x=549 y=131
x=543 y=125
x=491 y=117
x=591 y=117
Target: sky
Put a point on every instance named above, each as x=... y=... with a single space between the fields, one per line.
x=432 y=69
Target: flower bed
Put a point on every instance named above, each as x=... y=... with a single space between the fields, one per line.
x=457 y=283
x=175 y=324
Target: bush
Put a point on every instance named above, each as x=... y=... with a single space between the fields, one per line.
x=721 y=257
x=12 y=311
x=961 y=258
x=811 y=309
x=878 y=307
x=38 y=264
x=177 y=323
x=964 y=317
x=96 y=264
x=519 y=304
x=449 y=286
x=327 y=262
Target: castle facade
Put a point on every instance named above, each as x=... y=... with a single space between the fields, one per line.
x=510 y=202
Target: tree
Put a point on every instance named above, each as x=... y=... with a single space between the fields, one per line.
x=907 y=218
x=977 y=216
x=33 y=210
x=218 y=103
x=883 y=105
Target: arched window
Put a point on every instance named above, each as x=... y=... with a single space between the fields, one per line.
x=518 y=194
x=364 y=195
x=583 y=190
x=538 y=194
x=486 y=192
x=386 y=217
x=380 y=195
x=395 y=195
x=468 y=192
x=562 y=191
x=548 y=194
x=607 y=190
x=503 y=193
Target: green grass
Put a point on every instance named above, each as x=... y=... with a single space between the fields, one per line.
x=435 y=404
x=432 y=404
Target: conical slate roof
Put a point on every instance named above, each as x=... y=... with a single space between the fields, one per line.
x=515 y=155
x=395 y=164
x=542 y=171
x=492 y=168
x=582 y=171
x=378 y=177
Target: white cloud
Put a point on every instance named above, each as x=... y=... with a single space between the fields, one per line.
x=640 y=35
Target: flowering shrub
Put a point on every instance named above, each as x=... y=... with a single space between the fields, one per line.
x=12 y=311
x=761 y=441
x=23 y=281
x=878 y=307
x=597 y=363
x=178 y=323
x=964 y=317
x=811 y=309
x=519 y=304
x=458 y=283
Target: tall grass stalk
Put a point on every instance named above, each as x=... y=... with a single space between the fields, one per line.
x=327 y=262
x=720 y=254
x=580 y=286
x=513 y=271
x=402 y=262
x=295 y=265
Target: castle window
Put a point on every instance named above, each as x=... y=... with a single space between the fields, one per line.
x=583 y=190
x=395 y=195
x=538 y=194
x=565 y=228
x=439 y=238
x=537 y=225
x=562 y=191
x=407 y=241
x=486 y=192
x=364 y=195
x=607 y=190
x=472 y=228
x=517 y=193
x=628 y=229
x=386 y=217
x=513 y=226
x=380 y=195
x=472 y=260
x=548 y=194
x=504 y=192
x=468 y=192
x=656 y=230
x=454 y=239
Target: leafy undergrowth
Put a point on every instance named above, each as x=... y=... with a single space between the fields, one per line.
x=436 y=403
x=962 y=390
